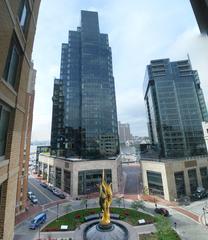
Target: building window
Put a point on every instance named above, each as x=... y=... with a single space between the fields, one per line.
x=14 y=59
x=204 y=177
x=88 y=180
x=193 y=180
x=58 y=177
x=180 y=184
x=155 y=183
x=24 y=15
x=67 y=181
x=4 y=123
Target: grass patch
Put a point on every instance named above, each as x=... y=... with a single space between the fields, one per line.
x=151 y=236
x=74 y=219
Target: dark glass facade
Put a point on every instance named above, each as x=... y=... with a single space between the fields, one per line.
x=58 y=177
x=200 y=8
x=155 y=183
x=204 y=177
x=88 y=181
x=180 y=184
x=84 y=121
x=193 y=180
x=175 y=108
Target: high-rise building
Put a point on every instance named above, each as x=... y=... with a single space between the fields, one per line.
x=84 y=135
x=200 y=8
x=124 y=132
x=84 y=121
x=17 y=29
x=176 y=164
x=175 y=108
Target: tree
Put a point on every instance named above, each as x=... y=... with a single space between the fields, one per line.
x=137 y=204
x=164 y=230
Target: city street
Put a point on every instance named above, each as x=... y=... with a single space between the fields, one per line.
x=133 y=181
x=43 y=195
x=186 y=227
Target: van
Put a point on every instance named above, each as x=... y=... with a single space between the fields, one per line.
x=37 y=221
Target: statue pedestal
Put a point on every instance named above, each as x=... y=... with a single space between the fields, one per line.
x=104 y=228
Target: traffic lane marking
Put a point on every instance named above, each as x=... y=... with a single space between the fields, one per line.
x=50 y=199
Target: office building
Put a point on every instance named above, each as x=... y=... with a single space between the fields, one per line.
x=124 y=132
x=17 y=29
x=177 y=162
x=176 y=108
x=84 y=120
x=172 y=179
x=200 y=8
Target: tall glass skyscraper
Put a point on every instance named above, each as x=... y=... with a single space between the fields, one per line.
x=175 y=108
x=84 y=121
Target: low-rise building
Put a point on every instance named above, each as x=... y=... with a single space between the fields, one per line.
x=174 y=178
x=77 y=176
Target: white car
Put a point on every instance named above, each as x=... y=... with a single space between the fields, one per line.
x=34 y=199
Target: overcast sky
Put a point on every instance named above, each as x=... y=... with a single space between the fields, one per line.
x=139 y=31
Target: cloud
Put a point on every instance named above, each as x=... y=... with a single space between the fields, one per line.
x=139 y=31
x=195 y=45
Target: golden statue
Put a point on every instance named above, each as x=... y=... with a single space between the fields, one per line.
x=105 y=200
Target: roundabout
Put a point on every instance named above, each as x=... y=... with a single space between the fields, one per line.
x=96 y=224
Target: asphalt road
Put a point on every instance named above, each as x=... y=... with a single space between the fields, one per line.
x=133 y=182
x=43 y=195
x=187 y=228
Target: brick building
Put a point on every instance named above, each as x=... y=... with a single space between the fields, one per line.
x=17 y=29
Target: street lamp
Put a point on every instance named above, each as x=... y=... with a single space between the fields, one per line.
x=205 y=220
x=57 y=211
x=123 y=201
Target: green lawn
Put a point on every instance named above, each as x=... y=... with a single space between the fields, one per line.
x=74 y=219
x=164 y=230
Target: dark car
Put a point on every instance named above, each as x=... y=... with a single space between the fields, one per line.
x=199 y=194
x=162 y=211
x=43 y=185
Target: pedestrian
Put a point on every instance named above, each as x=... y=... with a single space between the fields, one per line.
x=86 y=205
x=175 y=224
x=155 y=205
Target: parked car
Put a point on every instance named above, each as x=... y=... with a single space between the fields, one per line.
x=43 y=184
x=59 y=194
x=51 y=188
x=29 y=194
x=33 y=199
x=200 y=193
x=184 y=200
x=162 y=211
x=37 y=221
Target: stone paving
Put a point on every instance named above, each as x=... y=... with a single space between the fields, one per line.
x=134 y=232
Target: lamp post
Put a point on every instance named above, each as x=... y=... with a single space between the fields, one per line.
x=57 y=211
x=205 y=219
x=123 y=201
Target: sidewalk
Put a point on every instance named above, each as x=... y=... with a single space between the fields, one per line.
x=32 y=210
x=165 y=203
